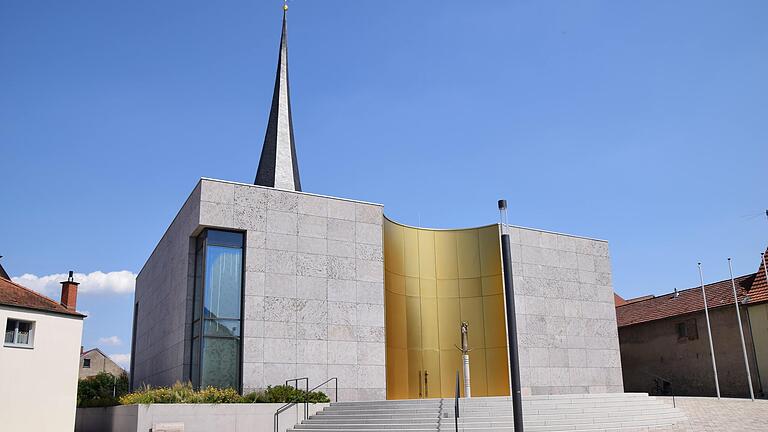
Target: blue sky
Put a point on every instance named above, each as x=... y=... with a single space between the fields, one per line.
x=643 y=123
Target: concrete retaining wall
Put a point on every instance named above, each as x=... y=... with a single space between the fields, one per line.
x=195 y=417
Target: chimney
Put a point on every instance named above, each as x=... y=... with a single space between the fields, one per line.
x=69 y=292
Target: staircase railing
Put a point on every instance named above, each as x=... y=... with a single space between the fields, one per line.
x=289 y=405
x=456 y=405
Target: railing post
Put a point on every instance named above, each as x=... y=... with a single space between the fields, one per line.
x=456 y=405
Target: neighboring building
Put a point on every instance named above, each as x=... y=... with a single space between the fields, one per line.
x=665 y=347
x=93 y=362
x=256 y=284
x=38 y=358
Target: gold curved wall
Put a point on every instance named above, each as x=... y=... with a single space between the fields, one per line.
x=434 y=280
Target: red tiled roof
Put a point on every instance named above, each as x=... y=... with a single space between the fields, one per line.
x=13 y=294
x=618 y=300
x=687 y=301
x=759 y=291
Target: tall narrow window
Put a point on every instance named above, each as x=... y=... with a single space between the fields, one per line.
x=216 y=318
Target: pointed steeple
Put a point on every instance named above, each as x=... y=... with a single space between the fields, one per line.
x=278 y=166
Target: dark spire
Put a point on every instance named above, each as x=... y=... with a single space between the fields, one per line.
x=278 y=166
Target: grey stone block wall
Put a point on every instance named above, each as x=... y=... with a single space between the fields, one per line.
x=164 y=297
x=314 y=302
x=566 y=317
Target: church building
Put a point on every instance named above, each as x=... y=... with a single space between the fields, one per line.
x=256 y=284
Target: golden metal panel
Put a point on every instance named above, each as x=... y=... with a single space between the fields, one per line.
x=429 y=323
x=395 y=322
x=468 y=250
x=434 y=280
x=393 y=248
x=427 y=250
x=428 y=287
x=448 y=288
x=493 y=285
x=394 y=283
x=496 y=331
x=446 y=255
x=470 y=287
x=478 y=376
x=450 y=362
x=397 y=367
x=490 y=251
x=412 y=287
x=472 y=312
x=413 y=322
x=449 y=320
x=411 y=251
x=432 y=368
x=415 y=368
x=497 y=361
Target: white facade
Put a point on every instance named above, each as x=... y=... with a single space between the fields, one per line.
x=38 y=384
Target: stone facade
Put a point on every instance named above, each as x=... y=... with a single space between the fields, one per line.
x=314 y=297
x=568 y=340
x=313 y=292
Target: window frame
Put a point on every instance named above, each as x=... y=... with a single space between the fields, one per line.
x=86 y=366
x=15 y=344
x=221 y=238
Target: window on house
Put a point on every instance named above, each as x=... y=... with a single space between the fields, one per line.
x=691 y=329
x=86 y=363
x=19 y=333
x=687 y=330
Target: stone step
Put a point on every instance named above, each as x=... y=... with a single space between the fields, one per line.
x=351 y=418
x=588 y=413
x=501 y=400
x=568 y=408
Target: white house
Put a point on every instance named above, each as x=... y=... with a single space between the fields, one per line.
x=39 y=358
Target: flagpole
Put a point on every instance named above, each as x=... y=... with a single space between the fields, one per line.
x=709 y=333
x=741 y=332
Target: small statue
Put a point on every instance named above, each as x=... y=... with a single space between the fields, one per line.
x=465 y=357
x=464 y=340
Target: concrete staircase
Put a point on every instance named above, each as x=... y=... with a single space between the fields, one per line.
x=585 y=412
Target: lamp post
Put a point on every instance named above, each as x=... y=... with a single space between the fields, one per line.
x=509 y=297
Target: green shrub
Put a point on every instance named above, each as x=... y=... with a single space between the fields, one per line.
x=101 y=390
x=285 y=394
x=185 y=394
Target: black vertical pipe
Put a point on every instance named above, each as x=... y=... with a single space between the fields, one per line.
x=456 y=404
x=514 y=363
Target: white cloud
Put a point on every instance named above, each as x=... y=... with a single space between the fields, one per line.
x=118 y=282
x=112 y=340
x=123 y=360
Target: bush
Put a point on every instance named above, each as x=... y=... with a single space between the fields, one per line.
x=97 y=391
x=185 y=394
x=285 y=394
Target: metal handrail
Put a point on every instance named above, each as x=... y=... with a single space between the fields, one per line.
x=456 y=406
x=306 y=388
x=282 y=409
x=335 y=380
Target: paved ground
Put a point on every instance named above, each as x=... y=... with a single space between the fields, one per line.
x=724 y=415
